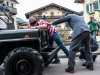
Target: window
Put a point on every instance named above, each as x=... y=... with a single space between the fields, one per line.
x=93 y=6
x=7 y=3
x=39 y=13
x=90 y=7
x=96 y=6
x=63 y=13
x=87 y=8
x=11 y=5
x=52 y=13
x=46 y=13
x=1 y=2
x=99 y=4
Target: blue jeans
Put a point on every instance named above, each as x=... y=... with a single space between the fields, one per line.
x=58 y=41
x=93 y=33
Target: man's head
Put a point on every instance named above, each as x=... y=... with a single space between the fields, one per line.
x=32 y=21
x=67 y=13
x=91 y=17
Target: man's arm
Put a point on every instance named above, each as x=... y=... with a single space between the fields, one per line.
x=89 y=22
x=22 y=27
x=94 y=22
x=61 y=20
x=40 y=26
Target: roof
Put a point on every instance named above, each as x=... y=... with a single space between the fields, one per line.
x=21 y=21
x=81 y=12
x=52 y=4
x=15 y=1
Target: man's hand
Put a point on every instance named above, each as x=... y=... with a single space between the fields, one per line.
x=91 y=21
x=69 y=37
x=35 y=27
x=48 y=23
x=20 y=27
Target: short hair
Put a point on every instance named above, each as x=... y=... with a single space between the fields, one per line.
x=32 y=19
x=91 y=17
x=69 y=13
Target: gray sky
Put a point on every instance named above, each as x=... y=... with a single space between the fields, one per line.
x=29 y=5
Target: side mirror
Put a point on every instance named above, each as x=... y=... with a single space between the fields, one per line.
x=3 y=24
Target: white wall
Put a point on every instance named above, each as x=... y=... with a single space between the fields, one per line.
x=86 y=15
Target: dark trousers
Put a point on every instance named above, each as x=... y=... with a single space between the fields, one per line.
x=94 y=47
x=74 y=47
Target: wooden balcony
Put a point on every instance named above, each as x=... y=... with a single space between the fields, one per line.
x=79 y=1
x=12 y=10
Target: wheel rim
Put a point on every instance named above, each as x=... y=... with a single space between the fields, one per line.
x=23 y=67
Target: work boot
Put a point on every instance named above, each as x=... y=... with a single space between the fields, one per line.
x=90 y=67
x=94 y=57
x=69 y=69
x=84 y=64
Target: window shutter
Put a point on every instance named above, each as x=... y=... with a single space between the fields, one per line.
x=87 y=8
x=96 y=5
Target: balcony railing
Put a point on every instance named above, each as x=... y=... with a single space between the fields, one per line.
x=12 y=10
x=47 y=17
x=79 y=1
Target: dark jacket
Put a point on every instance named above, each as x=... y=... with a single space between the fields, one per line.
x=76 y=22
x=93 y=44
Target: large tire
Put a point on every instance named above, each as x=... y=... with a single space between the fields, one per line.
x=23 y=61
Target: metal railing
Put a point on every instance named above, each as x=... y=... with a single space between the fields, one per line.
x=12 y=10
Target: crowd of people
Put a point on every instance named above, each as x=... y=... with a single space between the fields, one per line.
x=83 y=39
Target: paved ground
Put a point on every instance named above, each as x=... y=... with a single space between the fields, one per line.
x=59 y=69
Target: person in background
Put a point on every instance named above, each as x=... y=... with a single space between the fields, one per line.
x=94 y=47
x=53 y=35
x=81 y=33
x=93 y=26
